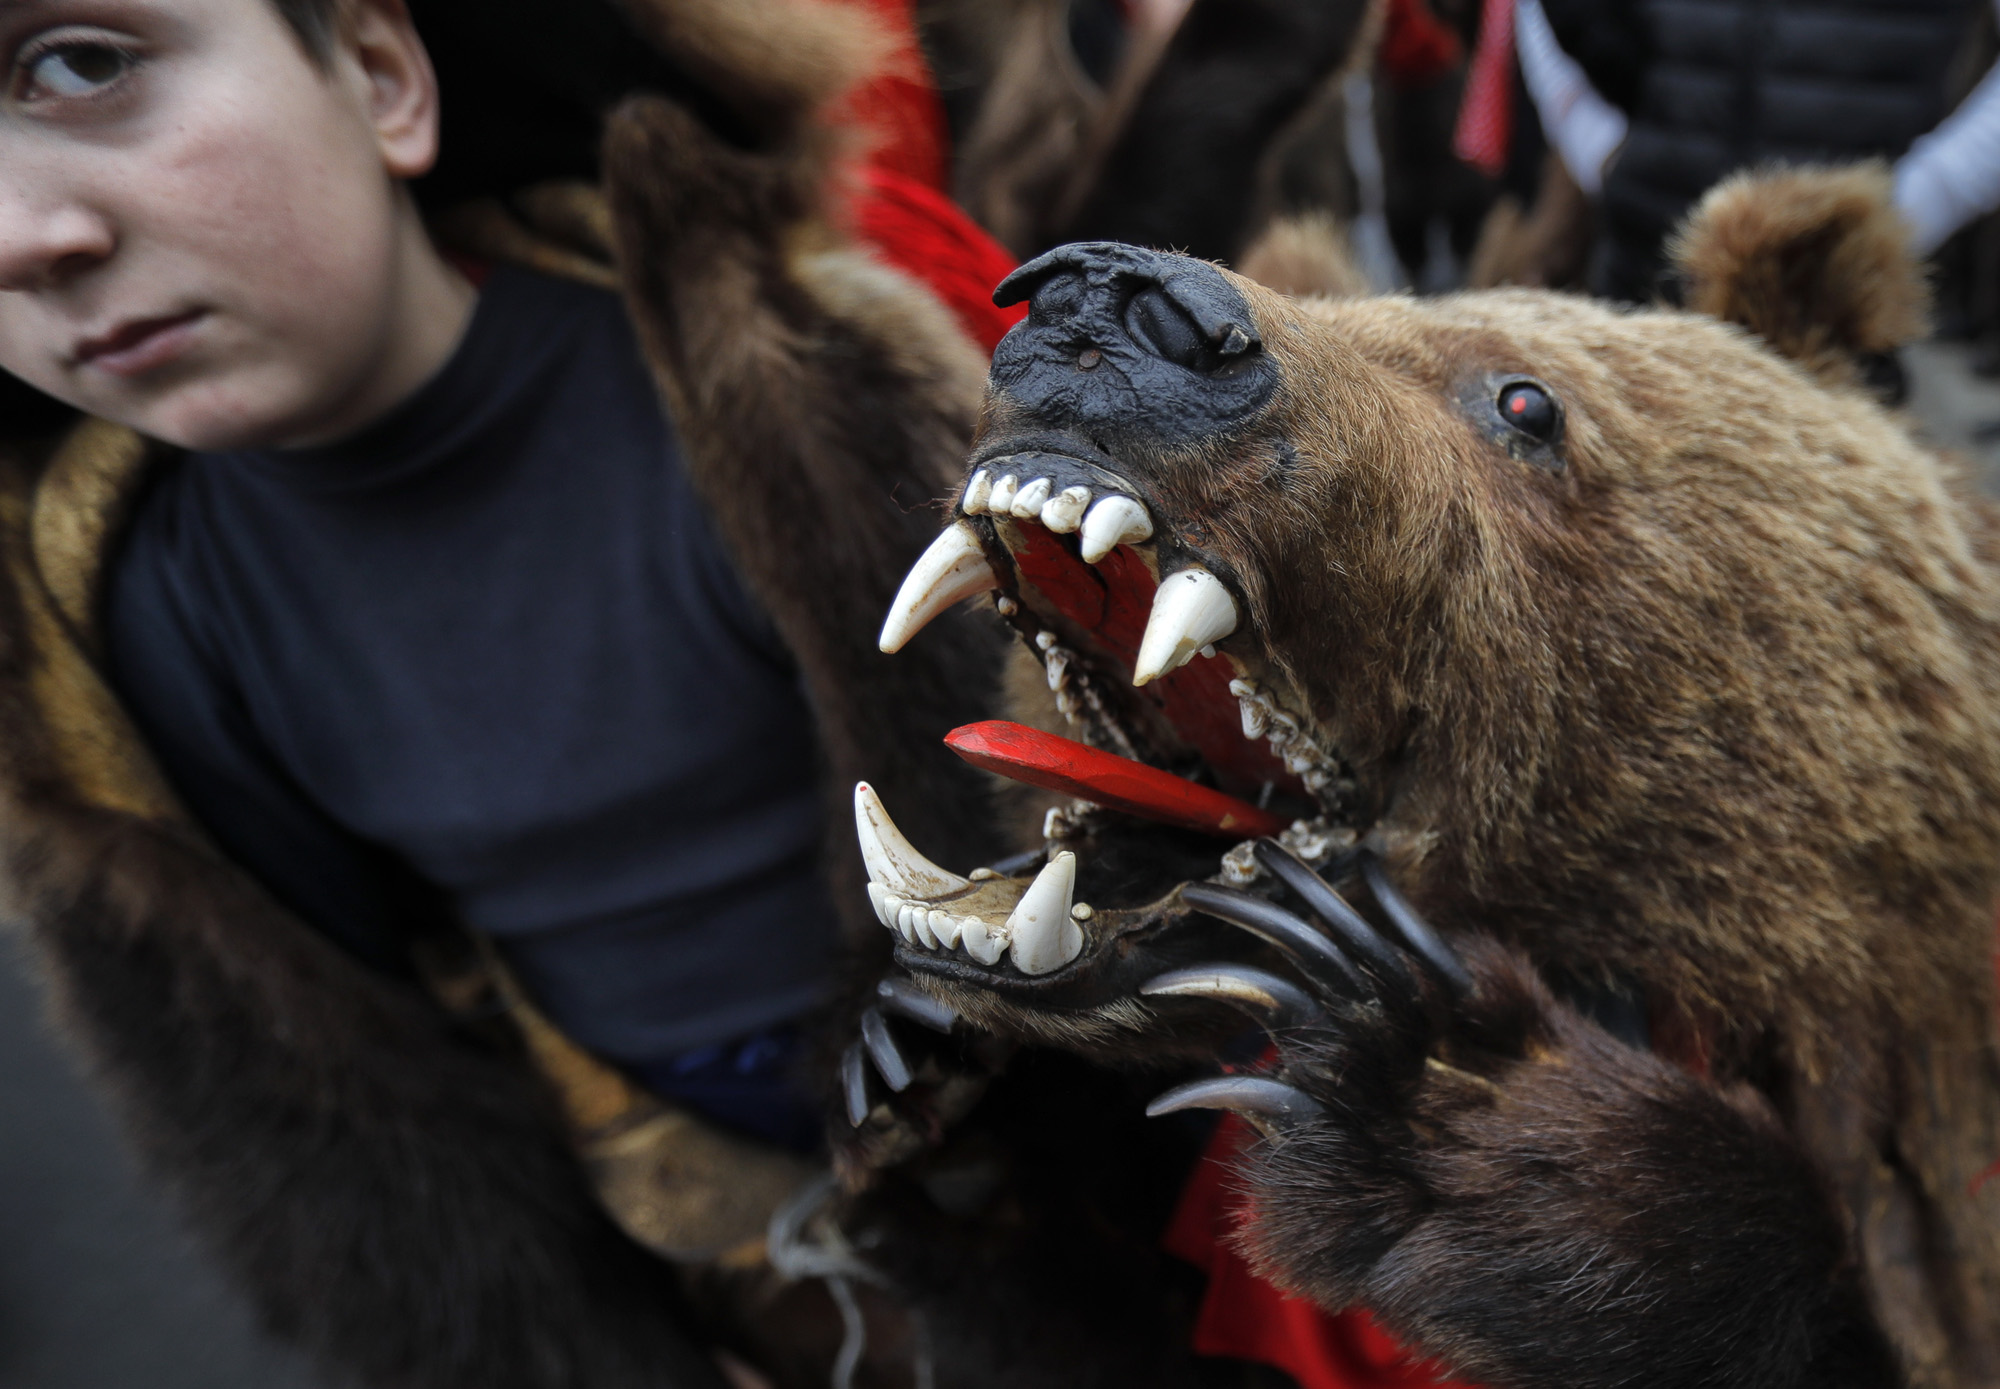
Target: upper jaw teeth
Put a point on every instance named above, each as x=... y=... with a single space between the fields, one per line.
x=952 y=570
x=1029 y=500
x=1115 y=520
x=1040 y=933
x=955 y=566
x=1191 y=610
x=1063 y=512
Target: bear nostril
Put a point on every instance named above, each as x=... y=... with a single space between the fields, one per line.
x=1160 y=325
x=1056 y=300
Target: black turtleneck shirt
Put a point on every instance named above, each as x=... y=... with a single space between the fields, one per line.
x=489 y=658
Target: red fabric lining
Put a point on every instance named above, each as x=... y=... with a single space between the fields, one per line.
x=924 y=234
x=900 y=206
x=1243 y=1317
x=900 y=108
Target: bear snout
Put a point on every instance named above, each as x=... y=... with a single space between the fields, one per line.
x=1130 y=346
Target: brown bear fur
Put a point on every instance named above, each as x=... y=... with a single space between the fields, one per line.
x=1717 y=711
x=1814 y=261
x=1702 y=701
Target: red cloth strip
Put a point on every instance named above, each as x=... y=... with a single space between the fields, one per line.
x=1486 y=115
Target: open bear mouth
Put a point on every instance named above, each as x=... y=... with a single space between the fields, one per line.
x=1145 y=649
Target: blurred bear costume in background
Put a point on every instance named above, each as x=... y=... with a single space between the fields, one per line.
x=1657 y=666
x=1167 y=125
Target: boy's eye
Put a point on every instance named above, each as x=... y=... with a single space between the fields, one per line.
x=73 y=69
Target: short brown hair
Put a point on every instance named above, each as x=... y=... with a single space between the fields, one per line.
x=315 y=22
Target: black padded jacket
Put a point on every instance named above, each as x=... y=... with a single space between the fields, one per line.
x=1712 y=86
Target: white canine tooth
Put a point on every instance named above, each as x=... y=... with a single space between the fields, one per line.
x=1028 y=501
x=1113 y=522
x=1063 y=512
x=1190 y=610
x=1001 y=500
x=890 y=858
x=885 y=903
x=951 y=571
x=1044 y=936
x=982 y=941
x=976 y=493
x=946 y=927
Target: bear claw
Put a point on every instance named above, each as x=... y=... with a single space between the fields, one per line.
x=1417 y=933
x=854 y=1084
x=1323 y=963
x=1278 y=1005
x=1329 y=906
x=906 y=1000
x=889 y=1061
x=1272 y=1107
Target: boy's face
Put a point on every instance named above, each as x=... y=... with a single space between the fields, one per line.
x=201 y=232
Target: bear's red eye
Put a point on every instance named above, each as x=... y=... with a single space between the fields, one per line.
x=1529 y=409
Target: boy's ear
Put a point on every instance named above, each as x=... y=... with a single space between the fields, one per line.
x=402 y=92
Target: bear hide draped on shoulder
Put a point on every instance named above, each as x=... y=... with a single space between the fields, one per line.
x=1660 y=672
x=397 y=1193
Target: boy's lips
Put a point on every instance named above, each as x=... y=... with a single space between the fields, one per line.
x=135 y=348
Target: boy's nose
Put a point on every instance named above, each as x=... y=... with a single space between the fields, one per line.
x=1124 y=342
x=44 y=248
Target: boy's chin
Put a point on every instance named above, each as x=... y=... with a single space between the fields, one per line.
x=208 y=417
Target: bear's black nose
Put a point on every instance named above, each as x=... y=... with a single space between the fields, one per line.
x=1126 y=342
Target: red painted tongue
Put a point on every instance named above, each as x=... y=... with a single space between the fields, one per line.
x=1042 y=759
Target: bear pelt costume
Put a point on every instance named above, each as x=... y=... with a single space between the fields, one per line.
x=1638 y=688
x=413 y=1195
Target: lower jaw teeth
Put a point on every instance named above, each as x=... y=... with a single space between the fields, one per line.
x=1290 y=744
x=983 y=942
x=1053 y=942
x=947 y=928
x=1040 y=933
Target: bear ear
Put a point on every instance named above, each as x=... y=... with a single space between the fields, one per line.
x=1815 y=261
